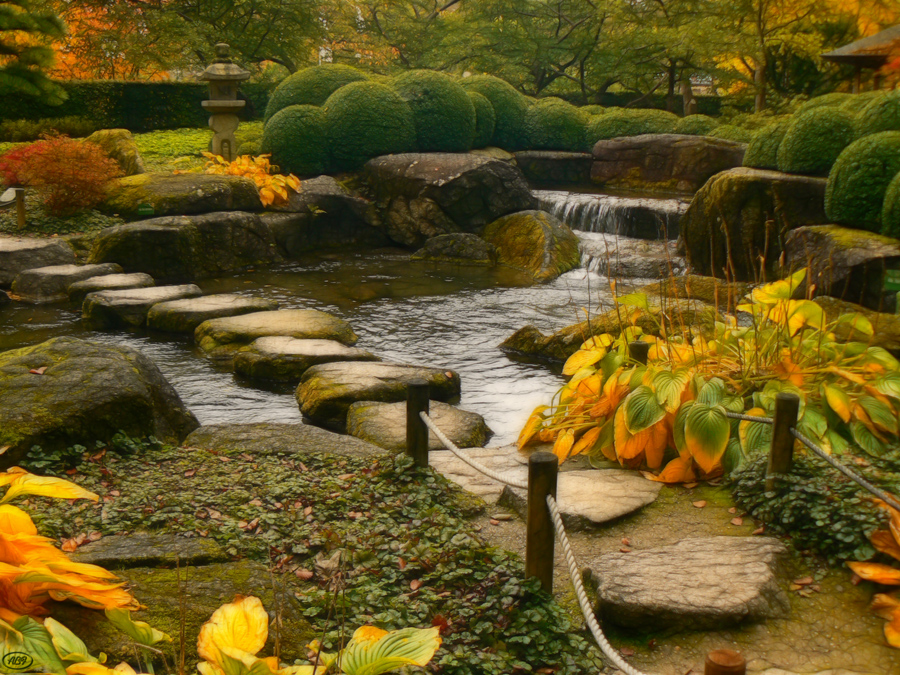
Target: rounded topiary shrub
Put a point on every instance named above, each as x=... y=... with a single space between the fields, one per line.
x=857 y=102
x=696 y=125
x=881 y=114
x=833 y=100
x=762 y=152
x=890 y=212
x=630 y=122
x=859 y=179
x=814 y=139
x=366 y=119
x=484 y=120
x=554 y=124
x=731 y=132
x=311 y=86
x=442 y=111
x=297 y=139
x=509 y=106
x=593 y=109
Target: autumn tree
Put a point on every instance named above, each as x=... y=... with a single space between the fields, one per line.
x=24 y=51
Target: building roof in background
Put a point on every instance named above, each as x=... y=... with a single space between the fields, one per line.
x=869 y=52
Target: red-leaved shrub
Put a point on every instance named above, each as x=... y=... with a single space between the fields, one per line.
x=71 y=175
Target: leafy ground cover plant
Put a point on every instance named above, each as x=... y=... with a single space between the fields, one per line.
x=273 y=187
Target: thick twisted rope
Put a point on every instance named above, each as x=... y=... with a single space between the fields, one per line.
x=749 y=418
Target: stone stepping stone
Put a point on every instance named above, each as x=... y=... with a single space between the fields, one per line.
x=384 y=424
x=221 y=338
x=697 y=584
x=110 y=282
x=51 y=284
x=270 y=438
x=326 y=392
x=183 y=316
x=286 y=359
x=506 y=460
x=588 y=498
x=115 y=309
x=143 y=549
x=18 y=254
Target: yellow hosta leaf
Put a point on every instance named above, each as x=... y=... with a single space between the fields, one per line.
x=838 y=401
x=779 y=290
x=679 y=470
x=14 y=520
x=563 y=446
x=242 y=624
x=44 y=486
x=591 y=386
x=598 y=342
x=582 y=359
x=532 y=426
x=880 y=574
x=586 y=442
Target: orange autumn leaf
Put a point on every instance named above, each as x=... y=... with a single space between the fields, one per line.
x=563 y=446
x=884 y=541
x=651 y=442
x=880 y=574
x=789 y=371
x=894 y=518
x=586 y=442
x=531 y=428
x=679 y=470
x=884 y=605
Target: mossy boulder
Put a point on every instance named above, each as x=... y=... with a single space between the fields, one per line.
x=311 y=86
x=762 y=151
x=119 y=145
x=554 y=124
x=890 y=212
x=859 y=180
x=724 y=295
x=696 y=125
x=485 y=120
x=510 y=108
x=534 y=242
x=443 y=114
x=621 y=122
x=179 y=194
x=880 y=114
x=384 y=425
x=736 y=222
x=814 y=139
x=366 y=120
x=297 y=139
x=66 y=391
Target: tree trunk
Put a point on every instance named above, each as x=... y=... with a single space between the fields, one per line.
x=759 y=79
x=689 y=103
x=670 y=94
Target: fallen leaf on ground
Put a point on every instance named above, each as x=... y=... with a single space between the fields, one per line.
x=737 y=521
x=624 y=550
x=759 y=530
x=494 y=522
x=691 y=486
x=699 y=504
x=625 y=541
x=189 y=473
x=502 y=516
x=307 y=511
x=626 y=651
x=38 y=371
x=304 y=574
x=415 y=584
x=95 y=536
x=804 y=581
x=733 y=509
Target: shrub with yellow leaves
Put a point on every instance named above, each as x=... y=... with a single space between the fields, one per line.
x=669 y=416
x=273 y=186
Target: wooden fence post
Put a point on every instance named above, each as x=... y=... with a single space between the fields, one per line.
x=781 y=455
x=725 y=662
x=20 y=208
x=639 y=351
x=540 y=535
x=417 y=396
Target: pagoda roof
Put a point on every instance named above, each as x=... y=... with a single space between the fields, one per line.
x=868 y=52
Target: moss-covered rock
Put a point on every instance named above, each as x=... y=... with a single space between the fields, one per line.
x=444 y=115
x=169 y=194
x=814 y=139
x=485 y=120
x=549 y=167
x=762 y=151
x=859 y=180
x=366 y=120
x=724 y=295
x=696 y=125
x=886 y=326
x=890 y=212
x=460 y=247
x=119 y=144
x=311 y=86
x=85 y=392
x=731 y=132
x=620 y=122
x=881 y=114
x=510 y=108
x=554 y=124
x=297 y=139
x=534 y=242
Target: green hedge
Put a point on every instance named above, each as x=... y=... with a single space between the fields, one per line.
x=696 y=125
x=859 y=179
x=510 y=108
x=858 y=102
x=593 y=109
x=442 y=111
x=762 y=152
x=366 y=119
x=630 y=122
x=554 y=124
x=890 y=211
x=311 y=86
x=881 y=114
x=485 y=120
x=833 y=100
x=297 y=139
x=732 y=132
x=814 y=139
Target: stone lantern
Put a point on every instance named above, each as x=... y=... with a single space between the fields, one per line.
x=223 y=76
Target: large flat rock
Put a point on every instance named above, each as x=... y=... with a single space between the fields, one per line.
x=109 y=282
x=24 y=253
x=326 y=392
x=384 y=424
x=113 y=309
x=589 y=498
x=549 y=167
x=696 y=584
x=221 y=338
x=51 y=284
x=143 y=549
x=170 y=194
x=285 y=359
x=183 y=316
x=506 y=460
x=267 y=438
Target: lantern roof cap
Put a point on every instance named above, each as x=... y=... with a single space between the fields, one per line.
x=223 y=68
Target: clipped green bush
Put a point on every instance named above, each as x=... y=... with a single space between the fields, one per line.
x=859 y=180
x=366 y=119
x=485 y=121
x=554 y=124
x=17 y=131
x=696 y=125
x=881 y=114
x=297 y=139
x=832 y=100
x=857 y=102
x=762 y=152
x=509 y=106
x=620 y=122
x=890 y=211
x=442 y=110
x=730 y=132
x=311 y=86
x=753 y=121
x=593 y=109
x=814 y=139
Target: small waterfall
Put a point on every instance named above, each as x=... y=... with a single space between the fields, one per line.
x=620 y=257
x=638 y=217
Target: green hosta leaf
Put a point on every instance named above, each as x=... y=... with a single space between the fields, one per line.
x=857 y=322
x=773 y=388
x=68 y=645
x=669 y=386
x=733 y=403
x=706 y=431
x=638 y=300
x=37 y=643
x=881 y=414
x=139 y=631
x=712 y=392
x=866 y=440
x=678 y=428
x=610 y=363
x=755 y=437
x=882 y=357
x=836 y=443
x=733 y=457
x=636 y=376
x=813 y=424
x=888 y=384
x=642 y=410
x=372 y=652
